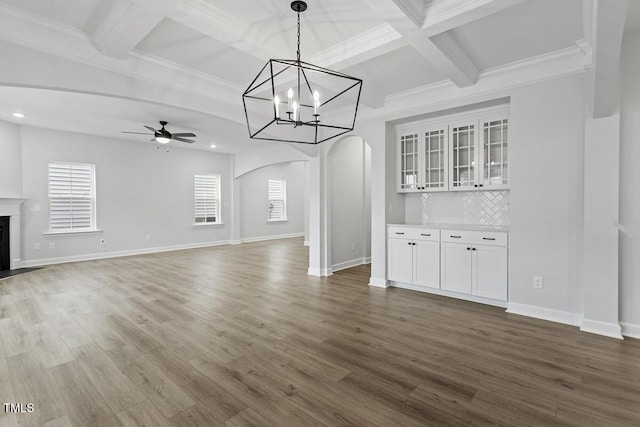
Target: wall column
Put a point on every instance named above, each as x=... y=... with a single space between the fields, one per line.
x=601 y=197
x=319 y=255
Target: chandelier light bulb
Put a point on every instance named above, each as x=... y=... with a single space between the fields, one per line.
x=295 y=111
x=316 y=102
x=290 y=96
x=276 y=101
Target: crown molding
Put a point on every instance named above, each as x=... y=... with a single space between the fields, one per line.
x=563 y=62
x=414 y=9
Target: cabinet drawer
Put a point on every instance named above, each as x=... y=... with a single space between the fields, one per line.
x=413 y=233
x=491 y=238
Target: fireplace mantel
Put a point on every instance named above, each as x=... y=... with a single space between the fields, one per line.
x=10 y=207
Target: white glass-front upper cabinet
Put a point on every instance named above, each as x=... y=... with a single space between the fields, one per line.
x=434 y=159
x=463 y=155
x=495 y=153
x=408 y=153
x=422 y=158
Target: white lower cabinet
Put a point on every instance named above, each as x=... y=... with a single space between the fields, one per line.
x=426 y=264
x=456 y=267
x=400 y=260
x=468 y=264
x=414 y=257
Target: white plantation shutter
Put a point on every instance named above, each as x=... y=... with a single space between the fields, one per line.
x=277 y=200
x=207 y=197
x=71 y=197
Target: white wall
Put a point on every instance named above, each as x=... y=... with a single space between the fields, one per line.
x=140 y=190
x=629 y=183
x=254 y=201
x=10 y=161
x=350 y=205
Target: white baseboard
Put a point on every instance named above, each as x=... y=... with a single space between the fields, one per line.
x=630 y=330
x=443 y=292
x=306 y=243
x=378 y=283
x=349 y=264
x=319 y=272
x=366 y=260
x=117 y=254
x=557 y=316
x=236 y=242
x=601 y=328
x=276 y=237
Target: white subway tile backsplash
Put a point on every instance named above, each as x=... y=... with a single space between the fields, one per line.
x=471 y=207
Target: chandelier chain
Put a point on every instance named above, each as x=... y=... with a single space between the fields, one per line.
x=298 y=51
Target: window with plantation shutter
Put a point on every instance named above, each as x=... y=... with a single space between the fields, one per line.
x=72 y=198
x=277 y=200
x=207 y=199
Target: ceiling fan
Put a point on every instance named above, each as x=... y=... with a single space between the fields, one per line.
x=163 y=136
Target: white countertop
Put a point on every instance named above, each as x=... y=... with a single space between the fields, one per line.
x=471 y=227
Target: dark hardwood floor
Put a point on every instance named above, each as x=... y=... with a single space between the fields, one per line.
x=240 y=335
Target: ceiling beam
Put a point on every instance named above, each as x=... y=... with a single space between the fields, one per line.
x=450 y=56
x=214 y=22
x=444 y=15
x=117 y=30
x=603 y=79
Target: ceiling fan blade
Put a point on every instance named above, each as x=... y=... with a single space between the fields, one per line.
x=177 y=138
x=189 y=134
x=138 y=133
x=151 y=129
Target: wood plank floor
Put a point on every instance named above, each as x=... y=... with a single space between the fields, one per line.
x=240 y=335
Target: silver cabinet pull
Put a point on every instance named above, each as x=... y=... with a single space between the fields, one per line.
x=397 y=232
x=425 y=235
x=488 y=238
x=456 y=237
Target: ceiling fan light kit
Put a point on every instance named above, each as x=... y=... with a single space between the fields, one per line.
x=294 y=101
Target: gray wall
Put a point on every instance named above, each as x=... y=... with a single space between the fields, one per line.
x=10 y=163
x=254 y=204
x=546 y=156
x=630 y=182
x=140 y=190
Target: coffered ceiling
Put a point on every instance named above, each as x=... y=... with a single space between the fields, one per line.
x=190 y=60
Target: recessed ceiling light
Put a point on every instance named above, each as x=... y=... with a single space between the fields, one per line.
x=18 y=115
x=213 y=146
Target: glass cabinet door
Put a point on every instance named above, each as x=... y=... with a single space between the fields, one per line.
x=435 y=161
x=462 y=142
x=409 y=161
x=495 y=153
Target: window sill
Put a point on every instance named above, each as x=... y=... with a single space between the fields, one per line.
x=277 y=220
x=206 y=224
x=71 y=232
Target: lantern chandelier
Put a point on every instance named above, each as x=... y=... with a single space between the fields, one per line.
x=293 y=101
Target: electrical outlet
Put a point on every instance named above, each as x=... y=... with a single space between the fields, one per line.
x=538 y=282
x=36 y=246
x=353 y=247
x=148 y=237
x=36 y=208
x=52 y=245
x=390 y=207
